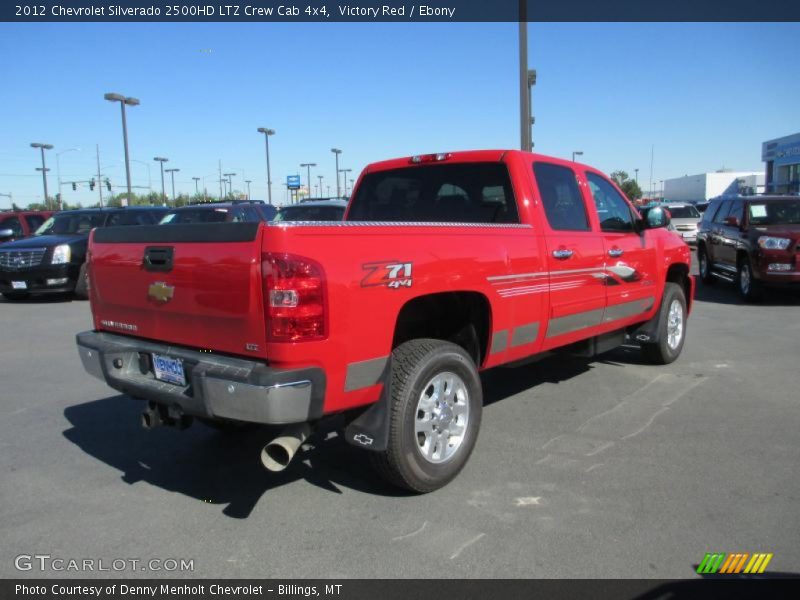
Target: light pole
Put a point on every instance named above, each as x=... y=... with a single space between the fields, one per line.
x=524 y=89
x=172 y=175
x=320 y=185
x=267 y=132
x=344 y=178
x=123 y=100
x=636 y=171
x=576 y=153
x=248 y=182
x=531 y=83
x=149 y=178
x=196 y=186
x=308 y=173
x=58 y=172
x=43 y=168
x=230 y=181
x=337 y=152
x=162 y=160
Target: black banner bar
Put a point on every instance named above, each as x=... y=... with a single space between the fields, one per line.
x=403 y=589
x=399 y=11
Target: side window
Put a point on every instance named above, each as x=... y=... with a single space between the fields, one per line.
x=612 y=209
x=13 y=224
x=708 y=216
x=737 y=210
x=561 y=198
x=724 y=209
x=34 y=221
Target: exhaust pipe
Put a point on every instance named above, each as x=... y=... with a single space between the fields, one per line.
x=277 y=454
x=157 y=414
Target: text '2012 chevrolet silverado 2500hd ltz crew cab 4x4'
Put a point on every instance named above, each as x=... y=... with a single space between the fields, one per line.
x=445 y=264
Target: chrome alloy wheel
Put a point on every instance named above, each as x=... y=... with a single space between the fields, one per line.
x=744 y=279
x=701 y=258
x=674 y=325
x=442 y=417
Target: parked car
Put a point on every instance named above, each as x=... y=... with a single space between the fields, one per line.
x=15 y=225
x=52 y=260
x=685 y=218
x=232 y=211
x=447 y=264
x=753 y=241
x=320 y=210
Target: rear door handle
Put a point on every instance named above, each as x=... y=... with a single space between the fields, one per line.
x=562 y=253
x=615 y=252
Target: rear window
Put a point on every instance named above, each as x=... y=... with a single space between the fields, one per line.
x=66 y=223
x=683 y=212
x=131 y=217
x=310 y=213
x=199 y=215
x=455 y=193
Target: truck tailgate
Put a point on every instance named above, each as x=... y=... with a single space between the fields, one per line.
x=196 y=285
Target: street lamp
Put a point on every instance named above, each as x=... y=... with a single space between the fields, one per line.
x=58 y=172
x=123 y=100
x=320 y=185
x=43 y=168
x=230 y=181
x=308 y=167
x=172 y=175
x=248 y=182
x=576 y=153
x=149 y=178
x=344 y=178
x=636 y=171
x=162 y=160
x=337 y=152
x=267 y=132
x=196 y=186
x=531 y=83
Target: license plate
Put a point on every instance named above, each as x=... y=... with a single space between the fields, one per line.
x=19 y=285
x=169 y=369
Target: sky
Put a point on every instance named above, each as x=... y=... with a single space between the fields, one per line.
x=701 y=96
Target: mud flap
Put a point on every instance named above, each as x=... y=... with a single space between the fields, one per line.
x=370 y=429
x=649 y=331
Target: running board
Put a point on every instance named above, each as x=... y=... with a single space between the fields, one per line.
x=729 y=278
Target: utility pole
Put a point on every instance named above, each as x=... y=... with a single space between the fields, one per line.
x=196 y=186
x=248 y=182
x=43 y=168
x=100 y=187
x=162 y=160
x=524 y=89
x=172 y=175
x=220 y=180
x=320 y=185
x=336 y=153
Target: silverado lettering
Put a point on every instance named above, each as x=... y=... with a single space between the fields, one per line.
x=512 y=255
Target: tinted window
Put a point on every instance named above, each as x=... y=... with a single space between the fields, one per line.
x=35 y=221
x=455 y=193
x=196 y=215
x=310 y=213
x=683 y=212
x=723 y=211
x=132 y=217
x=561 y=197
x=66 y=223
x=13 y=224
x=737 y=210
x=612 y=209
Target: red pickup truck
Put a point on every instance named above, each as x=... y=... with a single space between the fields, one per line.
x=445 y=265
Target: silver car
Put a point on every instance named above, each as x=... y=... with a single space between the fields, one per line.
x=684 y=218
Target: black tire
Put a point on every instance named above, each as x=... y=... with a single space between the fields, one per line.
x=15 y=297
x=704 y=265
x=749 y=288
x=415 y=366
x=82 y=285
x=663 y=352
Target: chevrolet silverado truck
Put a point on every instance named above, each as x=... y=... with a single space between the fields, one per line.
x=445 y=265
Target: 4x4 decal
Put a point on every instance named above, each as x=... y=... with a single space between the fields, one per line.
x=388 y=273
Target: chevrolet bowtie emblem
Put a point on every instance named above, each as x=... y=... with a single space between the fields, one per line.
x=160 y=291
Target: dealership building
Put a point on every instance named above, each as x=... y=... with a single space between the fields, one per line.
x=782 y=160
x=702 y=187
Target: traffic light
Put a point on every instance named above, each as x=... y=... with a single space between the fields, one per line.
x=74 y=186
x=108 y=184
x=91 y=183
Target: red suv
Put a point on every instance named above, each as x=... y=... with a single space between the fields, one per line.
x=21 y=223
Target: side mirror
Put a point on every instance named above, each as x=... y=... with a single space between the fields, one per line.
x=6 y=234
x=656 y=217
x=732 y=221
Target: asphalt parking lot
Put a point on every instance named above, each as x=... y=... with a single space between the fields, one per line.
x=601 y=468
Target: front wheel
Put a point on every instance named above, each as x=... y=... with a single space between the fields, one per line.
x=436 y=402
x=749 y=288
x=671 y=327
x=704 y=266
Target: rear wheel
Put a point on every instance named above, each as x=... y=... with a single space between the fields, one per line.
x=671 y=327
x=704 y=266
x=435 y=415
x=749 y=288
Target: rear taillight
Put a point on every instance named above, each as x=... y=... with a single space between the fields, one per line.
x=295 y=298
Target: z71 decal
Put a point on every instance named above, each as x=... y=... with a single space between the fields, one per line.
x=389 y=273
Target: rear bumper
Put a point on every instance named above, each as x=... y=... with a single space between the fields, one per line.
x=218 y=387
x=36 y=279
